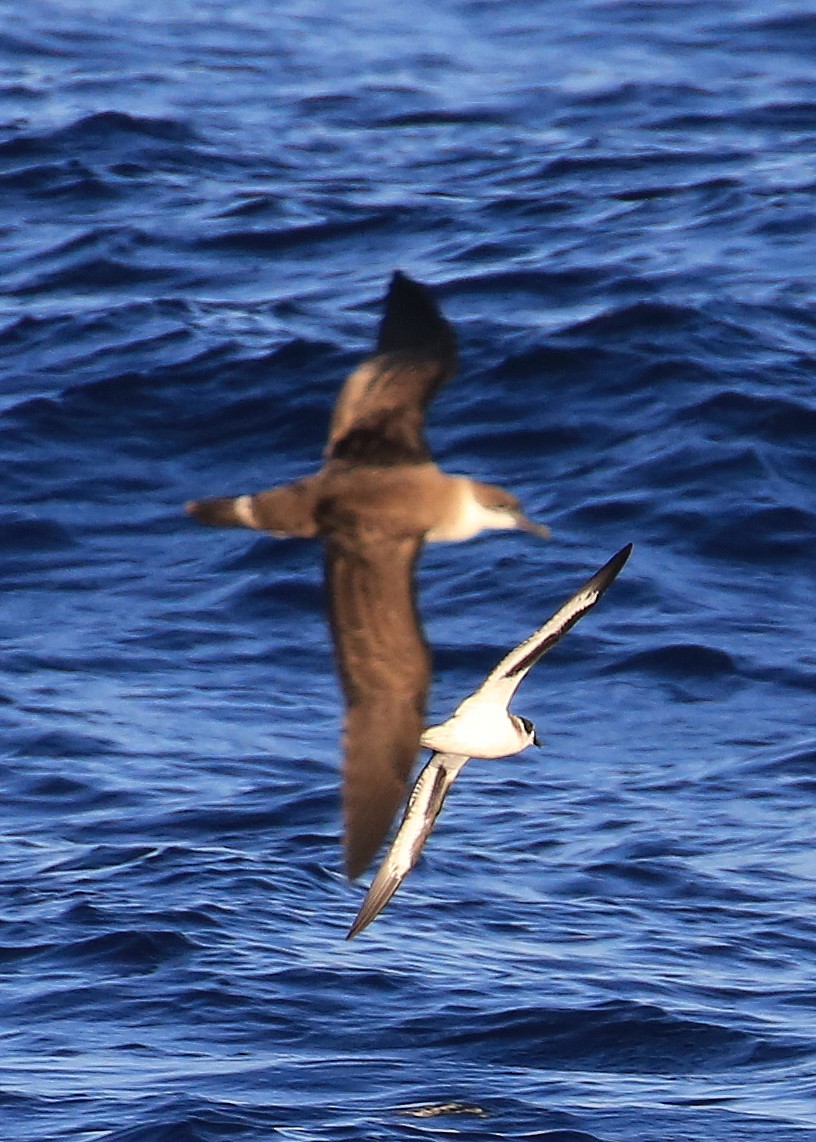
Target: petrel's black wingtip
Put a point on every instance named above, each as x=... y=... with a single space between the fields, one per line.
x=611 y=569
x=622 y=556
x=383 y=887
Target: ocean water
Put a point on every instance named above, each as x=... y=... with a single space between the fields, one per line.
x=609 y=940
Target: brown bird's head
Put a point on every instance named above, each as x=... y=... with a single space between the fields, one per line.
x=504 y=510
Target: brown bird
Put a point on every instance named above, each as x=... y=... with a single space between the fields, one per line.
x=377 y=498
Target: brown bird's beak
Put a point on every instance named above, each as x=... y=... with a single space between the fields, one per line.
x=539 y=529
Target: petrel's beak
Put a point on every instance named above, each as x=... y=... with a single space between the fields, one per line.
x=535 y=740
x=526 y=524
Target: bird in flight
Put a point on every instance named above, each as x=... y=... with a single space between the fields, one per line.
x=377 y=498
x=481 y=726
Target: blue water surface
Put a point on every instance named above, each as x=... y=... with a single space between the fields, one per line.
x=201 y=205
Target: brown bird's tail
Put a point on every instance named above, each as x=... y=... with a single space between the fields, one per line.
x=223 y=511
x=286 y=511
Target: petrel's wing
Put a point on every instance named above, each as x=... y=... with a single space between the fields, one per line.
x=503 y=681
x=379 y=417
x=421 y=812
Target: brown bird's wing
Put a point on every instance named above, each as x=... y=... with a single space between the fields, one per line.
x=411 y=321
x=380 y=412
x=385 y=671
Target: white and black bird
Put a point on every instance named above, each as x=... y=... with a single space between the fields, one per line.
x=376 y=500
x=481 y=726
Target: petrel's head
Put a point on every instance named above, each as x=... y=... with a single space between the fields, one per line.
x=530 y=730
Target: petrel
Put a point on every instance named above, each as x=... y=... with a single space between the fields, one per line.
x=377 y=498
x=481 y=726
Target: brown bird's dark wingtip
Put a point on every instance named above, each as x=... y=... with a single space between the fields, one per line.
x=355 y=867
x=412 y=321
